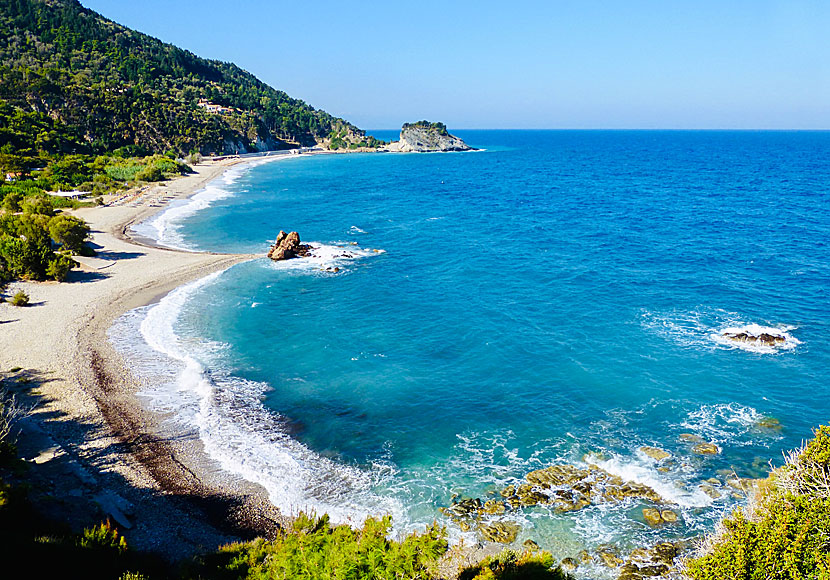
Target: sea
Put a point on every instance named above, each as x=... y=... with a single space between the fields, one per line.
x=556 y=297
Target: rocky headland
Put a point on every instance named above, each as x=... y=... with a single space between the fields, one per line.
x=425 y=137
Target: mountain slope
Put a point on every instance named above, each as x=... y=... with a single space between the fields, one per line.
x=77 y=82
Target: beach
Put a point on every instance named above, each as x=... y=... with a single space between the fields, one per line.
x=88 y=435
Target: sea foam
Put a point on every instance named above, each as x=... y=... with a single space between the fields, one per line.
x=236 y=429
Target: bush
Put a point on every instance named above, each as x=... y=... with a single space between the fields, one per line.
x=20 y=299
x=69 y=231
x=785 y=533
x=150 y=173
x=103 y=537
x=316 y=549
x=511 y=565
x=60 y=266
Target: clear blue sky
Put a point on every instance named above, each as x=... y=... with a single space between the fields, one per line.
x=523 y=64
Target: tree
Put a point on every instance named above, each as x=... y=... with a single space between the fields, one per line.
x=69 y=231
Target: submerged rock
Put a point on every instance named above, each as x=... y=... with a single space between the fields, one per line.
x=288 y=246
x=655 y=452
x=500 y=532
x=691 y=438
x=769 y=423
x=705 y=449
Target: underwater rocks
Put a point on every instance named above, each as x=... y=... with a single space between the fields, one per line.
x=655 y=453
x=655 y=517
x=640 y=563
x=500 y=532
x=763 y=338
x=565 y=487
x=288 y=246
x=705 y=449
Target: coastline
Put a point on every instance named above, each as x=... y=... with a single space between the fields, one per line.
x=89 y=433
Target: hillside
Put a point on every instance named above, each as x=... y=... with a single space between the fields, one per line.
x=72 y=81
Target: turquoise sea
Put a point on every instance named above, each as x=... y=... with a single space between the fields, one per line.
x=557 y=294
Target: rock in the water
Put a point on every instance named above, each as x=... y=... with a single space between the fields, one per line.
x=655 y=452
x=288 y=246
x=531 y=545
x=655 y=517
x=769 y=423
x=569 y=564
x=691 y=438
x=668 y=516
x=764 y=338
x=705 y=449
x=609 y=556
x=501 y=532
x=424 y=136
x=652 y=516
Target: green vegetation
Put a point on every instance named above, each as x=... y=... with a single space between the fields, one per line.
x=316 y=549
x=511 y=565
x=20 y=299
x=73 y=82
x=437 y=126
x=27 y=238
x=785 y=532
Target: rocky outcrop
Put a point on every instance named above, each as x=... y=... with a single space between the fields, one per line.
x=763 y=338
x=423 y=137
x=288 y=246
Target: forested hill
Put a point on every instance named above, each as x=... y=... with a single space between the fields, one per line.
x=72 y=81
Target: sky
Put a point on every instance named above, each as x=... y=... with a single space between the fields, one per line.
x=582 y=64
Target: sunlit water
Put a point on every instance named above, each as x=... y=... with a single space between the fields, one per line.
x=495 y=312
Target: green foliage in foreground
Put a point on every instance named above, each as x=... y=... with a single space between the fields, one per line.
x=511 y=565
x=786 y=533
x=315 y=549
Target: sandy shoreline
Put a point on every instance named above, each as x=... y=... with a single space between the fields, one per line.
x=94 y=445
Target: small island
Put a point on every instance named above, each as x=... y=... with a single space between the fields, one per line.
x=424 y=136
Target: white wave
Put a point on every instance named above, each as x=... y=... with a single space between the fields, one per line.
x=326 y=257
x=666 y=485
x=242 y=435
x=704 y=327
x=756 y=330
x=726 y=423
x=357 y=230
x=165 y=227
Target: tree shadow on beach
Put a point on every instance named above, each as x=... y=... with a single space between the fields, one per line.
x=84 y=276
x=74 y=474
x=112 y=255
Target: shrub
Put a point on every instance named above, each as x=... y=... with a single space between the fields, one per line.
x=316 y=549
x=785 y=532
x=20 y=299
x=511 y=565
x=150 y=173
x=103 y=537
x=59 y=267
x=69 y=231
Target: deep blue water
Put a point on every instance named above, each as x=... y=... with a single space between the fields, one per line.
x=557 y=294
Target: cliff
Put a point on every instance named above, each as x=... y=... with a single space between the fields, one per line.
x=423 y=136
